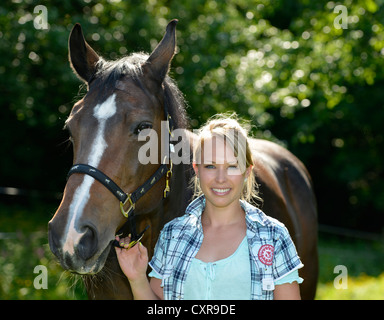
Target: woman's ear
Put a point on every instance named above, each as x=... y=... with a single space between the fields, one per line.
x=248 y=171
x=195 y=168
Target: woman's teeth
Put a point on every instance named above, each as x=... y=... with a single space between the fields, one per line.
x=221 y=191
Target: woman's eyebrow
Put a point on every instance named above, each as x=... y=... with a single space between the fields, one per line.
x=221 y=162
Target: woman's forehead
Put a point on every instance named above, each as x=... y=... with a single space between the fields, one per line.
x=216 y=150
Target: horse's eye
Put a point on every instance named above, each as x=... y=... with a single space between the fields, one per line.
x=142 y=126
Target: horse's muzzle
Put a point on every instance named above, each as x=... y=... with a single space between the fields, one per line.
x=78 y=255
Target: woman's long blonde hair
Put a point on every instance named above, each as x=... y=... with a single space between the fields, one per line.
x=228 y=128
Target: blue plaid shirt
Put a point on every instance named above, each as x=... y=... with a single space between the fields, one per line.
x=272 y=253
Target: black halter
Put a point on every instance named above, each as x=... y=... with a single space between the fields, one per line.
x=130 y=198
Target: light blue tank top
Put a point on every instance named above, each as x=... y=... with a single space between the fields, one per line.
x=226 y=279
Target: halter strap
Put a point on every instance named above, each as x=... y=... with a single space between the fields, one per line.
x=124 y=197
x=101 y=177
x=115 y=189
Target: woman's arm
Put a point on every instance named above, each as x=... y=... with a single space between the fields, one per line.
x=156 y=288
x=144 y=290
x=287 y=291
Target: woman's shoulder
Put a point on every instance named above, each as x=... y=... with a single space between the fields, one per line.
x=178 y=224
x=190 y=219
x=260 y=219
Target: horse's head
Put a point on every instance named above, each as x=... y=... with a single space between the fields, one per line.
x=124 y=97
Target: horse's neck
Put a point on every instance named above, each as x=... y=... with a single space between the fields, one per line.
x=181 y=191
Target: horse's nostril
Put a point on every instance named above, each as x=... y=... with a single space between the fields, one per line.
x=88 y=243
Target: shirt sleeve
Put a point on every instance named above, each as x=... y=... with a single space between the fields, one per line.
x=157 y=262
x=154 y=274
x=286 y=259
x=289 y=278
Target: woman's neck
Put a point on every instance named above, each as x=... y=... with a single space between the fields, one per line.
x=218 y=217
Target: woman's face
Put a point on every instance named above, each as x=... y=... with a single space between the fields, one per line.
x=220 y=177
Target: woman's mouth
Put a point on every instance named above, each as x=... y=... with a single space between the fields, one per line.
x=221 y=191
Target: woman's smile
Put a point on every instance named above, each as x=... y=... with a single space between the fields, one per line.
x=221 y=191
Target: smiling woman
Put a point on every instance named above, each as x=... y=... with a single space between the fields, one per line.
x=232 y=140
x=223 y=247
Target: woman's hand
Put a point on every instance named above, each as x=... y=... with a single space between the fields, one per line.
x=134 y=261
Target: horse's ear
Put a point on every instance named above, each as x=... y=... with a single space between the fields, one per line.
x=160 y=59
x=81 y=56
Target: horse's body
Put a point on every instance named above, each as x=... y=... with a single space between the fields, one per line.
x=287 y=191
x=124 y=98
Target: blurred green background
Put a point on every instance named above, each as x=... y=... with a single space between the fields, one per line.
x=285 y=65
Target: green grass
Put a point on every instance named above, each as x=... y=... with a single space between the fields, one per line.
x=362 y=287
x=364 y=262
x=28 y=248
x=19 y=257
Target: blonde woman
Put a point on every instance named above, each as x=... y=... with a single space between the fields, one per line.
x=223 y=247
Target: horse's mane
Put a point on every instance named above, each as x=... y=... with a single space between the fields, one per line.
x=112 y=71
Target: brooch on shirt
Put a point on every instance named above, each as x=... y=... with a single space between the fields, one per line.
x=266 y=254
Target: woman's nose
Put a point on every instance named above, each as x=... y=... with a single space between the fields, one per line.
x=221 y=175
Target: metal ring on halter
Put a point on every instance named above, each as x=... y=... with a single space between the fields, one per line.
x=131 y=207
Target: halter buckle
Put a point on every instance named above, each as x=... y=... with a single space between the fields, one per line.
x=131 y=207
x=167 y=179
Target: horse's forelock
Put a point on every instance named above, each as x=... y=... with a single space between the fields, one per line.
x=112 y=71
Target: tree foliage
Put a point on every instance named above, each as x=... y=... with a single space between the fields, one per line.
x=283 y=64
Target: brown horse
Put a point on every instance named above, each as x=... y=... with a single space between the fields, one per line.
x=124 y=98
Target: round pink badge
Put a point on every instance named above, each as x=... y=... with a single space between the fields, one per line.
x=266 y=254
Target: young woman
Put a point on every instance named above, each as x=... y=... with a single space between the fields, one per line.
x=223 y=247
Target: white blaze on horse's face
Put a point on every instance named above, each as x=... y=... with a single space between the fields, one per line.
x=102 y=112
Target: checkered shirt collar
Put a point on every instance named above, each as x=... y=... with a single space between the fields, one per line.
x=196 y=208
